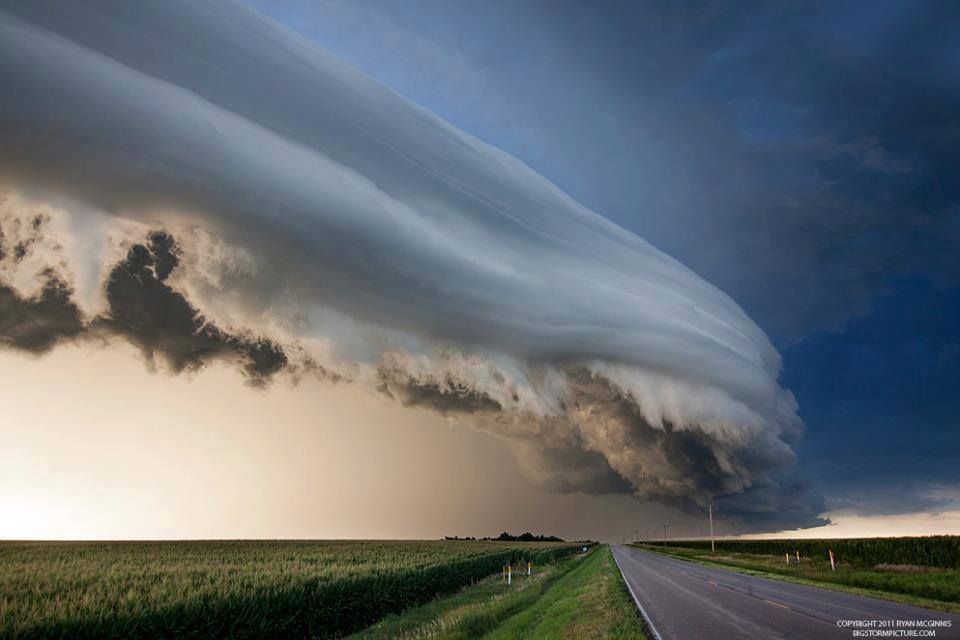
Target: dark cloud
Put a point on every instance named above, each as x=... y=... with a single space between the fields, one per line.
x=602 y=442
x=567 y=466
x=689 y=465
x=778 y=506
x=142 y=309
x=36 y=324
x=880 y=401
x=908 y=497
x=146 y=311
x=443 y=396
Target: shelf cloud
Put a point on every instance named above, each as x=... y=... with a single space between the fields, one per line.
x=204 y=184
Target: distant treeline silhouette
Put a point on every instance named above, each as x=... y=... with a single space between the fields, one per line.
x=507 y=537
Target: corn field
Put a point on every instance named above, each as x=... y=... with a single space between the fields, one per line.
x=928 y=551
x=240 y=589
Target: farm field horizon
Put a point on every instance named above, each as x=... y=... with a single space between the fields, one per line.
x=240 y=588
x=443 y=588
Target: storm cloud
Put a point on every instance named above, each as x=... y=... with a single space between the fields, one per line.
x=141 y=308
x=37 y=323
x=243 y=196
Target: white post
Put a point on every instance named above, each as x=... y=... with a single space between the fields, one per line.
x=788 y=557
x=833 y=566
x=713 y=547
x=509 y=574
x=528 y=567
x=798 y=557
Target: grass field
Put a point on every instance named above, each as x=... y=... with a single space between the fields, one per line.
x=907 y=582
x=241 y=589
x=578 y=597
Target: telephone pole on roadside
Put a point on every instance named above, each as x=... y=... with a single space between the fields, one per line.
x=712 y=545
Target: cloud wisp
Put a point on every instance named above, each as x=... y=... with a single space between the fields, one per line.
x=226 y=190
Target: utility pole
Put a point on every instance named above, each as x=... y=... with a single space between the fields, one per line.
x=713 y=547
x=665 y=534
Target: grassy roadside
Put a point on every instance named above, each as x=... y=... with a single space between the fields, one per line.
x=473 y=610
x=590 y=602
x=582 y=597
x=939 y=591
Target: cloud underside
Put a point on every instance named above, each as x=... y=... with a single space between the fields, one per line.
x=143 y=310
x=294 y=217
x=597 y=441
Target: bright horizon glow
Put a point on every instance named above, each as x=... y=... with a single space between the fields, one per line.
x=292 y=463
x=206 y=457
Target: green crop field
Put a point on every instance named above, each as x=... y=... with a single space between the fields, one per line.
x=928 y=551
x=239 y=589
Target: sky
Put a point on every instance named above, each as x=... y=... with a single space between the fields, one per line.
x=793 y=352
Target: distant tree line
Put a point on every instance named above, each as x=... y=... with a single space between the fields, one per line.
x=507 y=537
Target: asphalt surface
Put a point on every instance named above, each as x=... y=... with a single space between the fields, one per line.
x=688 y=601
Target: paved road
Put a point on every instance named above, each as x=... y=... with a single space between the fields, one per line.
x=687 y=601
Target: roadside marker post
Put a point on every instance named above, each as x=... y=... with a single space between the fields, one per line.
x=787 y=554
x=798 y=557
x=509 y=574
x=529 y=564
x=833 y=566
